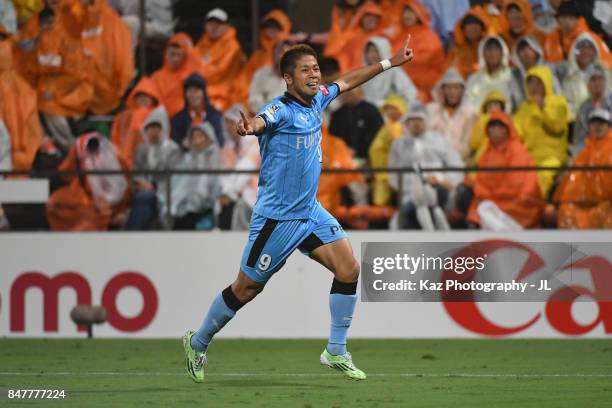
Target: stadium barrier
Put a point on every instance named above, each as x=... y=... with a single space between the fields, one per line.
x=159 y=284
x=401 y=172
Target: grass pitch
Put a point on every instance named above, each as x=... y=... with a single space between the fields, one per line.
x=286 y=373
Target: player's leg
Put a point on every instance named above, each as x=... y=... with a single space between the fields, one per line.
x=222 y=309
x=338 y=257
x=328 y=245
x=270 y=243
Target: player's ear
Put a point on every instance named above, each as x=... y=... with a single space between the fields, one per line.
x=288 y=78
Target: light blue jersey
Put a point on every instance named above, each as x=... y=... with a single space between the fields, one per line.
x=290 y=149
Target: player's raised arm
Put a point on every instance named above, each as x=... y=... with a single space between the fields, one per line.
x=250 y=125
x=358 y=76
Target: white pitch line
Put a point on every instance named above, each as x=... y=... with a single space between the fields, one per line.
x=434 y=375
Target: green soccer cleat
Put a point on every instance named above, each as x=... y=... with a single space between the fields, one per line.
x=343 y=363
x=194 y=360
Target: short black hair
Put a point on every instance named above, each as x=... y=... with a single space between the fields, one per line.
x=45 y=15
x=513 y=6
x=289 y=58
x=493 y=42
x=471 y=19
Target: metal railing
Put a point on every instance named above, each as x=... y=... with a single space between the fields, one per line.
x=166 y=175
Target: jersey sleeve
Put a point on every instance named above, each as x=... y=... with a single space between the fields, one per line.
x=274 y=115
x=328 y=93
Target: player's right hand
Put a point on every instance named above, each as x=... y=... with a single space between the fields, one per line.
x=245 y=126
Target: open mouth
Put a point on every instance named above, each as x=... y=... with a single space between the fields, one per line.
x=314 y=85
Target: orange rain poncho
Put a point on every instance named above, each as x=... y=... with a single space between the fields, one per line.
x=88 y=203
x=19 y=111
x=558 y=46
x=222 y=61
x=517 y=193
x=107 y=42
x=261 y=57
x=426 y=68
x=169 y=82
x=336 y=155
x=530 y=29
x=60 y=74
x=126 y=131
x=340 y=31
x=351 y=56
x=462 y=54
x=586 y=196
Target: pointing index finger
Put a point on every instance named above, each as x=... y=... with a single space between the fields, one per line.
x=244 y=118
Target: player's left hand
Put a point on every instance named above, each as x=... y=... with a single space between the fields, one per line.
x=404 y=55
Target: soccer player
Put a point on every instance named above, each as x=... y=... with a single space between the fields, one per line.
x=287 y=215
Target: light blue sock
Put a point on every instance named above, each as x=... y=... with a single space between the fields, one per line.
x=218 y=316
x=341 y=308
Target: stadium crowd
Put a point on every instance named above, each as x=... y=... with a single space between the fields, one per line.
x=500 y=83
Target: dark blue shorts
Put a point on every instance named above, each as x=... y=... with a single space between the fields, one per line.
x=272 y=241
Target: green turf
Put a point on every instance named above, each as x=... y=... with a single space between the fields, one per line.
x=286 y=373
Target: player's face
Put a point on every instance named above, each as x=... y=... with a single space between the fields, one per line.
x=306 y=76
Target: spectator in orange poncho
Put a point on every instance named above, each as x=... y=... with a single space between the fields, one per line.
x=275 y=27
x=558 y=44
x=472 y=28
x=126 y=132
x=426 y=68
x=586 y=197
x=222 y=58
x=337 y=155
x=519 y=23
x=180 y=61
x=107 y=44
x=89 y=203
x=515 y=194
x=19 y=111
x=342 y=16
x=61 y=80
x=28 y=36
x=367 y=22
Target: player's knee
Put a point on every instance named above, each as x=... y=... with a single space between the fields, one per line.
x=246 y=293
x=349 y=272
